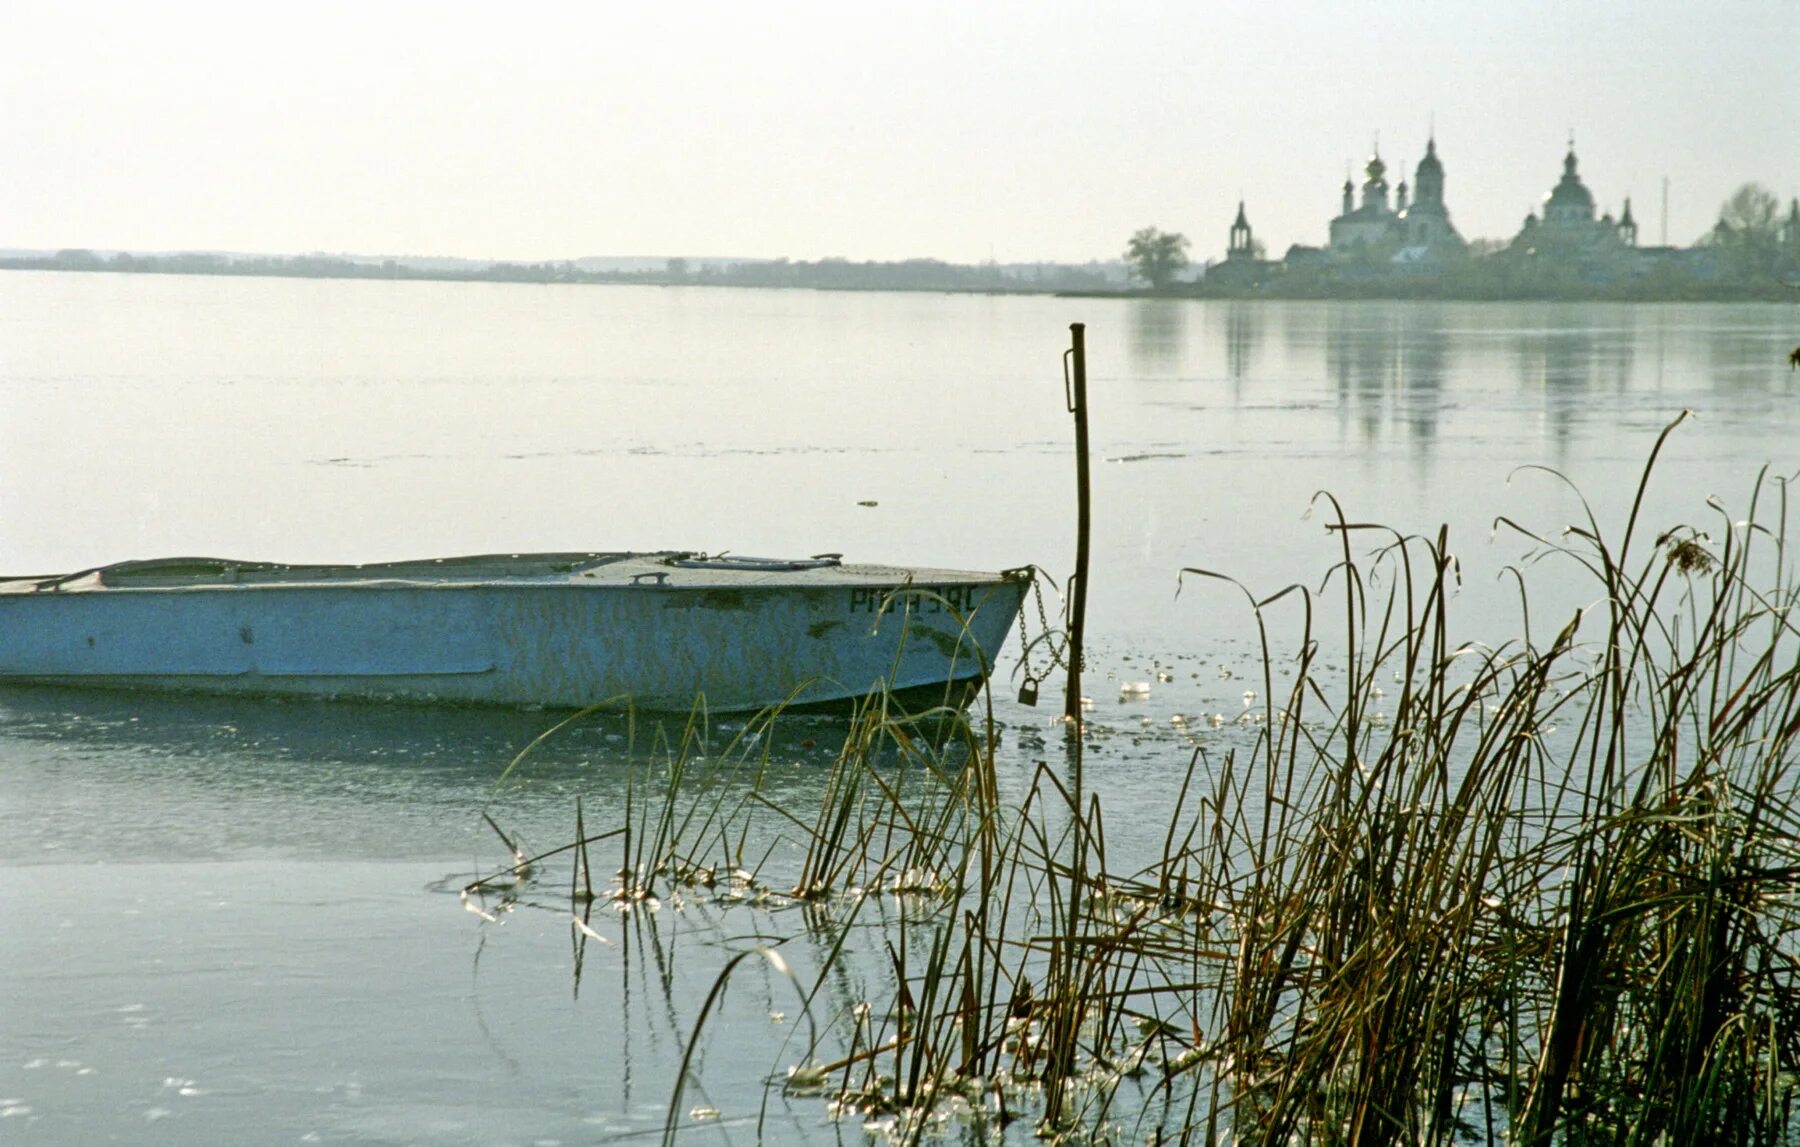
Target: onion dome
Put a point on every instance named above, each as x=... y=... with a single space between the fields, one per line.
x=1569 y=196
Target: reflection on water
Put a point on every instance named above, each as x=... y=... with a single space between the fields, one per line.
x=1737 y=355
x=1569 y=363
x=1158 y=335
x=1160 y=343
x=94 y=775
x=1388 y=370
x=1243 y=338
x=1561 y=378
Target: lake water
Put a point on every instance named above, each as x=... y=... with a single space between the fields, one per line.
x=227 y=922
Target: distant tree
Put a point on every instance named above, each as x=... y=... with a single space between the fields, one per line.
x=1752 y=211
x=1748 y=233
x=1156 y=256
x=677 y=268
x=78 y=259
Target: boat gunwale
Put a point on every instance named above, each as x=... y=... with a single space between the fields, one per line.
x=569 y=571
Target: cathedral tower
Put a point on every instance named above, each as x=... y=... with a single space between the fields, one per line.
x=1428 y=177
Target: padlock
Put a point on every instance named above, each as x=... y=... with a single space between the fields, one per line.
x=1028 y=691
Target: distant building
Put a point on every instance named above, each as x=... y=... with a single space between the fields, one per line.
x=1244 y=265
x=1425 y=223
x=1415 y=233
x=1567 y=230
x=1300 y=257
x=1401 y=240
x=1368 y=228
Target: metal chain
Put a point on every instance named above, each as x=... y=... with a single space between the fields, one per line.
x=1025 y=640
x=1056 y=652
x=1046 y=632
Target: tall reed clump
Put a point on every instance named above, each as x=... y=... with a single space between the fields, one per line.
x=1546 y=891
x=1553 y=896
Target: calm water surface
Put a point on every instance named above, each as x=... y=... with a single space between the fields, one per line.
x=229 y=922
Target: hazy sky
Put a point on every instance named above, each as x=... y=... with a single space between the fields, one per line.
x=881 y=131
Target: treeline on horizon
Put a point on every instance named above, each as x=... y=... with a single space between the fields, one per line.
x=824 y=274
x=1481 y=279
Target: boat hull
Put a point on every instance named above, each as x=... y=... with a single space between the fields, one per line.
x=651 y=643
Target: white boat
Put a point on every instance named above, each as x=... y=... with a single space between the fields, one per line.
x=653 y=631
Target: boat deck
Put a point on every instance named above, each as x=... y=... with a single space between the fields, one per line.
x=667 y=568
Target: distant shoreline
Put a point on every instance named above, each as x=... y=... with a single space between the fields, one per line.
x=917 y=276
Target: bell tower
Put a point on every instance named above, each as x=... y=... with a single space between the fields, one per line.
x=1240 y=247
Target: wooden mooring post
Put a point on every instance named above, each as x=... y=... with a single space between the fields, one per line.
x=1075 y=394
